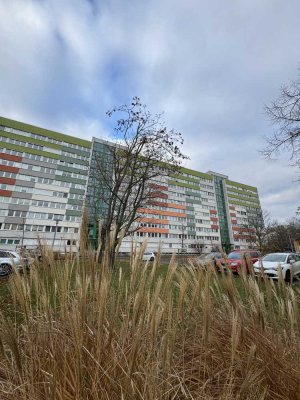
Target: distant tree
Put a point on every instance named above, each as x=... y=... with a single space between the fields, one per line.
x=281 y=236
x=285 y=115
x=128 y=178
x=259 y=225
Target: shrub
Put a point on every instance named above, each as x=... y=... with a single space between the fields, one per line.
x=76 y=330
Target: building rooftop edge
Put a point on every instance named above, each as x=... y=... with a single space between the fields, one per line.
x=43 y=131
x=88 y=143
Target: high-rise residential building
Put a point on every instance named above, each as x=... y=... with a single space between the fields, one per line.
x=46 y=176
x=43 y=177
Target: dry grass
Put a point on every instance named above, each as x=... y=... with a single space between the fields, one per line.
x=75 y=330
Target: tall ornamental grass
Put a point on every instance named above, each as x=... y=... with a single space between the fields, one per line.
x=73 y=329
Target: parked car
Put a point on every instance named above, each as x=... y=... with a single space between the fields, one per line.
x=274 y=264
x=149 y=256
x=237 y=258
x=215 y=258
x=9 y=259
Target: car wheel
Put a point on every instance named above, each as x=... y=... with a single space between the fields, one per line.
x=288 y=276
x=5 y=270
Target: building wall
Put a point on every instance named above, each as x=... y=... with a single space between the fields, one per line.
x=199 y=212
x=244 y=207
x=183 y=218
x=43 y=177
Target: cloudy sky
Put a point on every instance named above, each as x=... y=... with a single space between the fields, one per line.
x=211 y=66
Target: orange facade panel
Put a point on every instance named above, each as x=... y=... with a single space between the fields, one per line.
x=161 y=212
x=8 y=181
x=10 y=157
x=214 y=226
x=231 y=208
x=158 y=187
x=213 y=211
x=5 y=193
x=7 y=168
x=153 y=230
x=153 y=221
x=233 y=214
x=179 y=206
x=249 y=237
x=241 y=229
x=158 y=195
x=214 y=219
x=170 y=205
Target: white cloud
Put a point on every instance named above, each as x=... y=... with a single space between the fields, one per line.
x=210 y=66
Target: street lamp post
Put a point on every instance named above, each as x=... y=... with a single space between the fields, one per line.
x=182 y=250
x=182 y=228
x=56 y=223
x=23 y=232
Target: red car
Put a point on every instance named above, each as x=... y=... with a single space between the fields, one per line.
x=237 y=258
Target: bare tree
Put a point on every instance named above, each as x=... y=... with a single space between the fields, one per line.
x=285 y=114
x=130 y=175
x=281 y=236
x=259 y=224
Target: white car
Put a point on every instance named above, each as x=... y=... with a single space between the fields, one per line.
x=274 y=264
x=149 y=256
x=8 y=259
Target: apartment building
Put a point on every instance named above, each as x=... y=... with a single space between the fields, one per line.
x=194 y=211
x=45 y=177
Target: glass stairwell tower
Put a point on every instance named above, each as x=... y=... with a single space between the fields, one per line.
x=220 y=187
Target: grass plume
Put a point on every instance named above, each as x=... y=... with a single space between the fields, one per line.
x=74 y=329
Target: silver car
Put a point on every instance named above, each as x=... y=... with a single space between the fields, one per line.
x=149 y=256
x=275 y=264
x=8 y=260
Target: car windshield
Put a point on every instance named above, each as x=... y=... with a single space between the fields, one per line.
x=234 y=256
x=217 y=255
x=275 y=257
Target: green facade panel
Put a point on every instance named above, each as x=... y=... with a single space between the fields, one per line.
x=190 y=216
x=75 y=202
x=250 y=194
x=11 y=135
x=241 y=185
x=71 y=180
x=193 y=201
x=75 y=151
x=191 y=233
x=191 y=225
x=44 y=132
x=190 y=208
x=189 y=193
x=72 y=170
x=196 y=173
x=74 y=213
x=240 y=203
x=76 y=191
x=72 y=160
x=184 y=178
x=30 y=151
x=240 y=198
x=182 y=184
